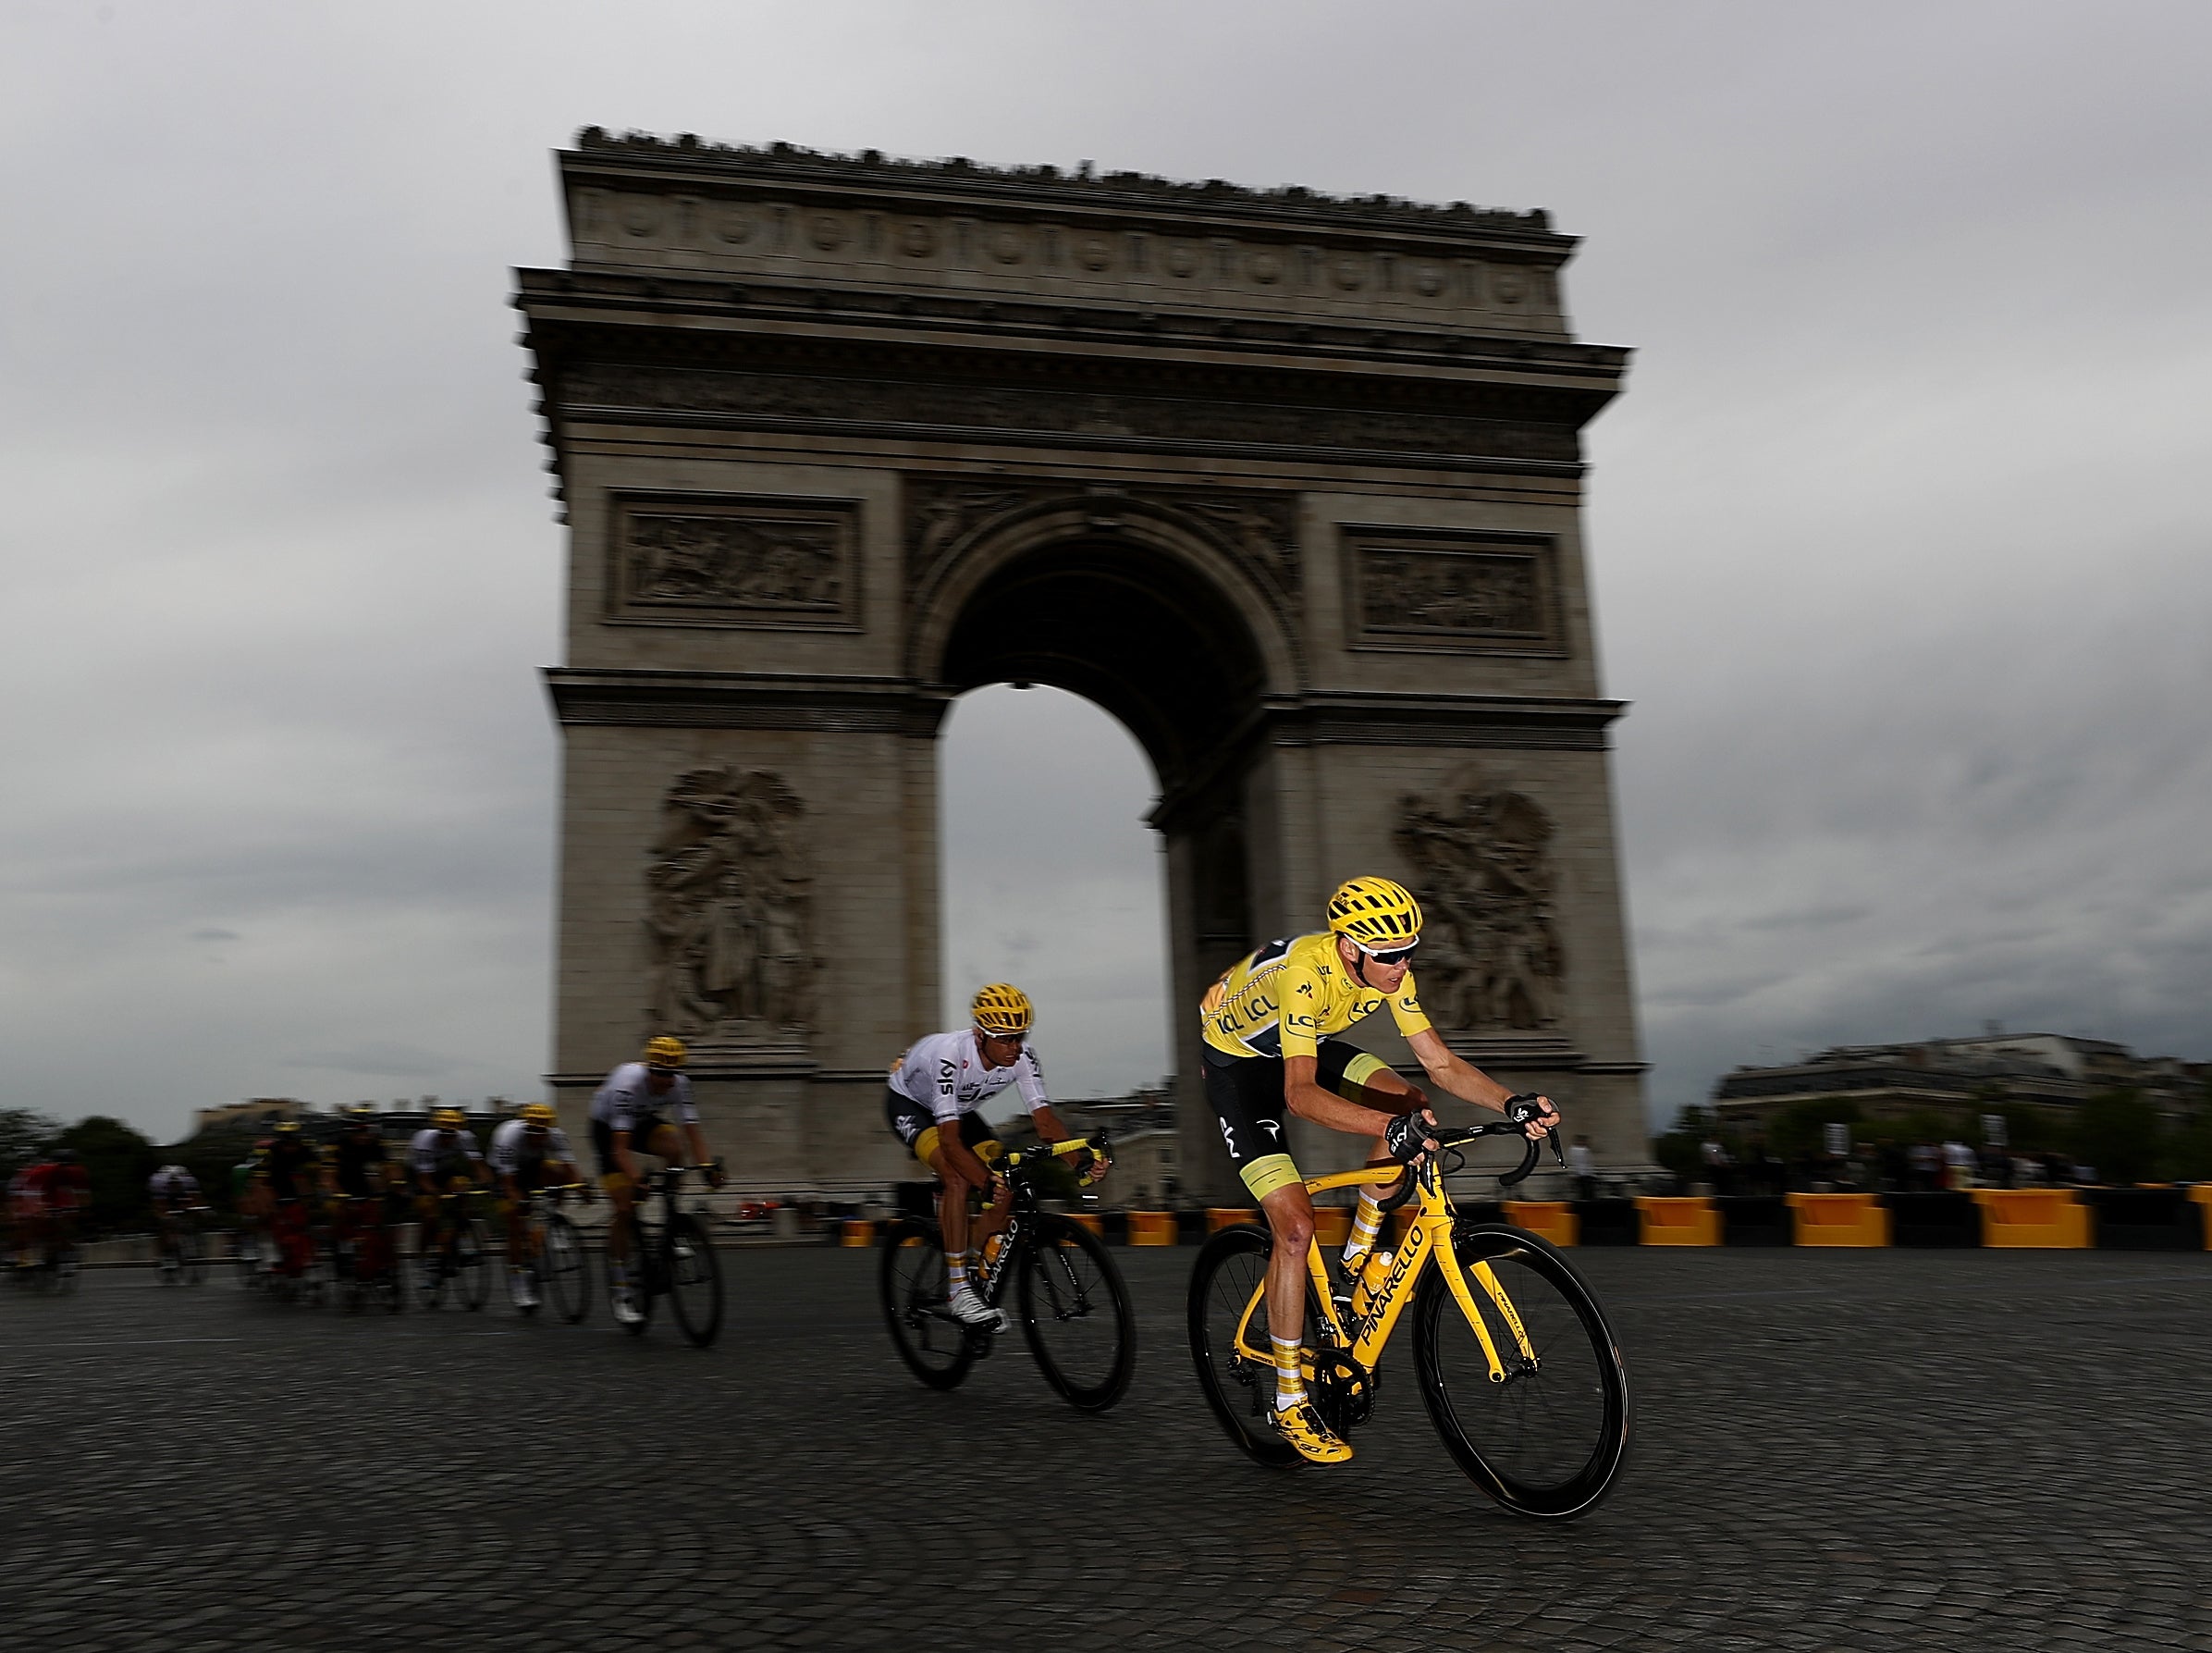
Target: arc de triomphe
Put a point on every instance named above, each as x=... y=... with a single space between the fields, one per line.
x=1288 y=483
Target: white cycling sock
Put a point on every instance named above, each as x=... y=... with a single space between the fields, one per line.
x=1290 y=1384
x=1367 y=1223
x=956 y=1280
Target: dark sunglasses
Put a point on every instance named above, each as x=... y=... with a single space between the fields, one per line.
x=1396 y=955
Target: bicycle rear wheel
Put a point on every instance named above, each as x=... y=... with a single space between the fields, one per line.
x=191 y=1257
x=1075 y=1315
x=1550 y=1440
x=561 y=1270
x=1224 y=1298
x=471 y=1265
x=911 y=1279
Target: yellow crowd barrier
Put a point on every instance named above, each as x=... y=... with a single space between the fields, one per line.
x=1221 y=1216
x=2201 y=1194
x=1687 y=1220
x=1547 y=1219
x=1089 y=1220
x=2043 y=1218
x=1331 y=1225
x=1840 y=1219
x=858 y=1231
x=1151 y=1228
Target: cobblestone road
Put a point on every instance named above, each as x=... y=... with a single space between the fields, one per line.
x=1882 y=1449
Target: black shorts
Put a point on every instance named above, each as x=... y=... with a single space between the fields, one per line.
x=917 y=1127
x=642 y=1129
x=1246 y=1095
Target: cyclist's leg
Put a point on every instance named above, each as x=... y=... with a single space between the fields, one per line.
x=1358 y=1076
x=1246 y=1095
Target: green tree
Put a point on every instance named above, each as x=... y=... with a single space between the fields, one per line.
x=117 y=1160
x=25 y=1133
x=2117 y=1131
x=1797 y=1129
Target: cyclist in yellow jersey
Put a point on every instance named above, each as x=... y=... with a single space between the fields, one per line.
x=1268 y=1054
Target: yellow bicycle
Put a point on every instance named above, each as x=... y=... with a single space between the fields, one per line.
x=1516 y=1363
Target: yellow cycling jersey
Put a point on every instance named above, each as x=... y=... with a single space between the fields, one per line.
x=1282 y=1000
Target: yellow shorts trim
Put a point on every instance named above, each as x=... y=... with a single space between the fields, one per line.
x=1270 y=1172
x=1362 y=1067
x=926 y=1145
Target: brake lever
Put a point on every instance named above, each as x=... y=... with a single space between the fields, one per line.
x=1559 y=1152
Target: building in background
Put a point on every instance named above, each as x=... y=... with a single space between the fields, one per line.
x=2053 y=1073
x=1146 y=1174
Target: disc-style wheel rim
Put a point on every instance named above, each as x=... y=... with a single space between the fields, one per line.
x=1076 y=1315
x=1548 y=1440
x=561 y=1270
x=694 y=1281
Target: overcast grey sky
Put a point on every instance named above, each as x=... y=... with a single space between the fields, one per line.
x=1899 y=533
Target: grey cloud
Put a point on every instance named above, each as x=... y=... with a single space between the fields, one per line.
x=380 y=1061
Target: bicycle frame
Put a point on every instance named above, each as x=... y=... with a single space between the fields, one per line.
x=1427 y=1243
x=1023 y=1211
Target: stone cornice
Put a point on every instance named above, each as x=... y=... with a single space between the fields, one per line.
x=744 y=700
x=903 y=227
x=1125 y=191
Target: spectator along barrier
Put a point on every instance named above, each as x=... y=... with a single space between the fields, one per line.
x=1839 y=1219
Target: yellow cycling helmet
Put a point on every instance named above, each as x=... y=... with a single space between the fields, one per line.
x=1002 y=1008
x=448 y=1118
x=285 y=1128
x=1377 y=914
x=536 y=1112
x=665 y=1053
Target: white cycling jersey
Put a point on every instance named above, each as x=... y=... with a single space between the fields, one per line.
x=513 y=1148
x=625 y=1098
x=429 y=1154
x=946 y=1074
x=173 y=1182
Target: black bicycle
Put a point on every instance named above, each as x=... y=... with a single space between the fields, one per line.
x=1070 y=1297
x=672 y=1257
x=182 y=1257
x=555 y=1257
x=459 y=1261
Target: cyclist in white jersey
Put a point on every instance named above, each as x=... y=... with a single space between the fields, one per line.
x=631 y=1114
x=441 y=1159
x=528 y=1152
x=934 y=1089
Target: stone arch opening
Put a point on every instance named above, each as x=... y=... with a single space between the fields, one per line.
x=1125 y=626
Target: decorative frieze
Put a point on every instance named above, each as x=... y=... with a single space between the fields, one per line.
x=1445 y=589
x=1065 y=416
x=717 y=560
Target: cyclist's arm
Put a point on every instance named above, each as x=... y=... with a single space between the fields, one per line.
x=1050 y=1126
x=1305 y=1096
x=697 y=1141
x=1462 y=1078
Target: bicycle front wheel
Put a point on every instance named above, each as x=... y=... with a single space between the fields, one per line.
x=561 y=1269
x=471 y=1265
x=1229 y=1341
x=911 y=1278
x=191 y=1257
x=1548 y=1438
x=1075 y=1315
x=638 y=1282
x=694 y=1280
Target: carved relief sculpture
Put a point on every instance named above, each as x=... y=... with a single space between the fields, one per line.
x=1438 y=591
x=727 y=899
x=1489 y=959
x=734 y=562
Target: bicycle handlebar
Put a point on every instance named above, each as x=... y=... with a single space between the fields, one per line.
x=1459 y=1136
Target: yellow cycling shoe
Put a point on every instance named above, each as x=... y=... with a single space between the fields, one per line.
x=1316 y=1442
